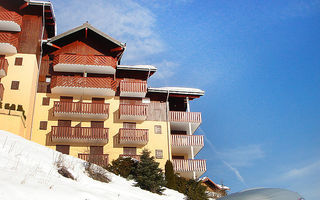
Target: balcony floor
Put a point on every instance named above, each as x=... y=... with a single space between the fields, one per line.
x=9 y=26
x=184 y=126
x=95 y=69
x=7 y=49
x=98 y=92
x=182 y=150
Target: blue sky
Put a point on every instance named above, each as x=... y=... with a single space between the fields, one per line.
x=258 y=62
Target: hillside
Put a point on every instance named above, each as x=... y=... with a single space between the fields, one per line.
x=29 y=171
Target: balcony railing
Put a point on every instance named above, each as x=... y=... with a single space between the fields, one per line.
x=136 y=157
x=10 y=21
x=3 y=67
x=133 y=112
x=8 y=43
x=83 y=63
x=133 y=88
x=81 y=110
x=179 y=121
x=98 y=159
x=133 y=136
x=76 y=135
x=1 y=91
x=189 y=168
x=187 y=140
x=87 y=86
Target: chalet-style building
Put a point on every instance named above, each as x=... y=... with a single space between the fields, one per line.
x=70 y=92
x=214 y=190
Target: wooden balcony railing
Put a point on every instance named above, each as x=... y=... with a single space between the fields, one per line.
x=98 y=159
x=133 y=86
x=80 y=108
x=3 y=67
x=132 y=136
x=133 y=110
x=189 y=165
x=11 y=16
x=136 y=157
x=85 y=60
x=83 y=82
x=187 y=140
x=192 y=117
x=9 y=38
x=1 y=91
x=79 y=133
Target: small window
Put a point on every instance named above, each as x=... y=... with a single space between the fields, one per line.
x=15 y=85
x=45 y=101
x=18 y=61
x=48 y=79
x=43 y=125
x=146 y=100
x=157 y=129
x=159 y=154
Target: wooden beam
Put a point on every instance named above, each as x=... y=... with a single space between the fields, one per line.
x=23 y=6
x=116 y=49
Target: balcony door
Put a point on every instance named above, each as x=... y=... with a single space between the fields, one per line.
x=66 y=123
x=96 y=150
x=66 y=99
x=98 y=100
x=129 y=150
x=129 y=125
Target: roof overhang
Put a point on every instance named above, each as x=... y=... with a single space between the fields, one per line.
x=46 y=4
x=87 y=26
x=145 y=68
x=178 y=91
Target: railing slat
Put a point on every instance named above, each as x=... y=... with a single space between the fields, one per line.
x=83 y=82
x=81 y=107
x=178 y=116
x=133 y=86
x=133 y=135
x=98 y=159
x=181 y=165
x=187 y=140
x=85 y=60
x=133 y=110
x=79 y=132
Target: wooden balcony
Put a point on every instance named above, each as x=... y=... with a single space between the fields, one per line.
x=133 y=88
x=83 y=86
x=187 y=168
x=133 y=112
x=8 y=43
x=98 y=159
x=10 y=21
x=83 y=63
x=133 y=137
x=136 y=157
x=179 y=121
x=181 y=144
x=81 y=110
x=3 y=67
x=79 y=135
x=1 y=91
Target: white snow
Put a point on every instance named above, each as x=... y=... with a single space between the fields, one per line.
x=138 y=67
x=29 y=172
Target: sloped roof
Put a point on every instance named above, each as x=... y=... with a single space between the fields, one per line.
x=90 y=27
x=178 y=90
x=221 y=187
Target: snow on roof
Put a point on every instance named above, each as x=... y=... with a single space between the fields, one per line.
x=223 y=187
x=178 y=90
x=138 y=67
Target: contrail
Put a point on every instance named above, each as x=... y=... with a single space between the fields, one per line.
x=233 y=169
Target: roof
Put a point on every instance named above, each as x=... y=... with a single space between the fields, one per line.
x=178 y=90
x=138 y=67
x=221 y=187
x=88 y=26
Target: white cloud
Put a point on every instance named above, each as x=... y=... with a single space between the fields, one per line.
x=313 y=168
x=166 y=69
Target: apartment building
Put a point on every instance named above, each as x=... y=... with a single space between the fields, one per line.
x=74 y=95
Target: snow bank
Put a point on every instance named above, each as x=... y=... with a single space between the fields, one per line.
x=28 y=171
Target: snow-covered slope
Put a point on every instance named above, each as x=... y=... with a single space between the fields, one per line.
x=28 y=171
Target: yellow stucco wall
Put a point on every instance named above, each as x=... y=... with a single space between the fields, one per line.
x=44 y=113
x=27 y=76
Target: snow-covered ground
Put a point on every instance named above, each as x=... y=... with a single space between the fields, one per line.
x=28 y=171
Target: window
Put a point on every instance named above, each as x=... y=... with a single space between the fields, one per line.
x=48 y=79
x=43 y=125
x=65 y=149
x=15 y=85
x=157 y=129
x=18 y=61
x=129 y=150
x=45 y=101
x=159 y=154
